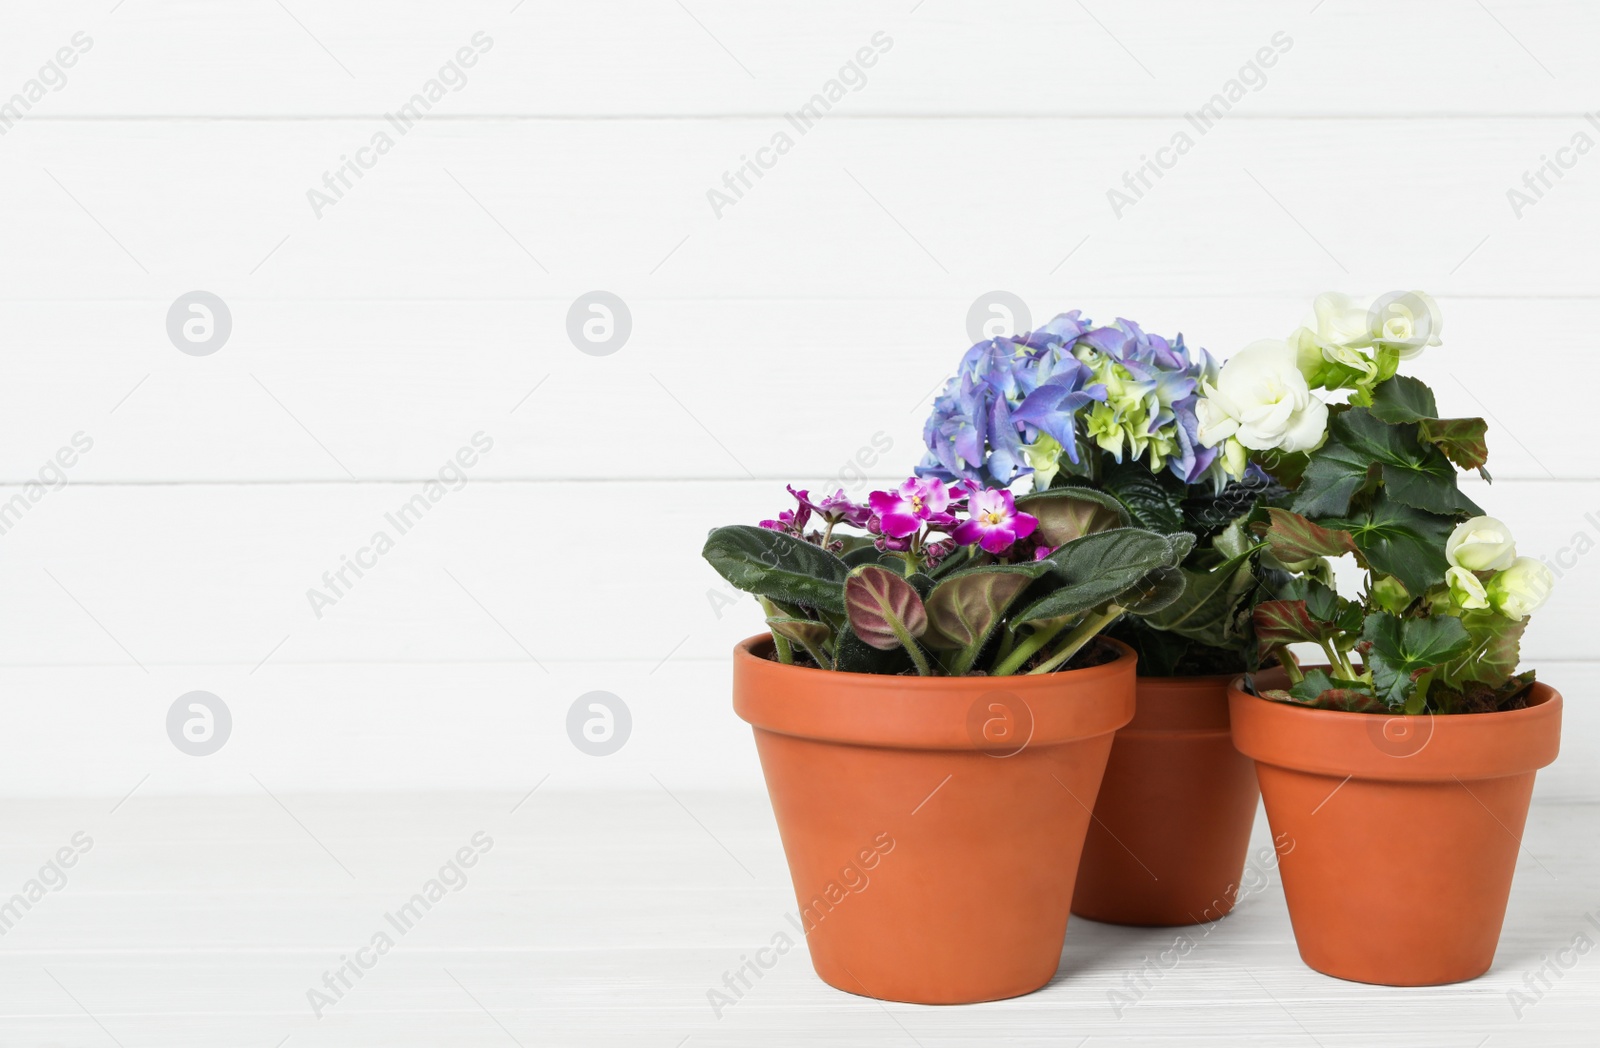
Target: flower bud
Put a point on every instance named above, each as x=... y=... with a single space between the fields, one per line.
x=1518 y=591
x=1390 y=594
x=1466 y=589
x=1481 y=544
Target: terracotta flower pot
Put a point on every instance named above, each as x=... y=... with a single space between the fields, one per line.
x=1399 y=834
x=1172 y=826
x=932 y=825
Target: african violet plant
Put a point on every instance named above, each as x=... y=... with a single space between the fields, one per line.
x=1112 y=409
x=1439 y=621
x=940 y=579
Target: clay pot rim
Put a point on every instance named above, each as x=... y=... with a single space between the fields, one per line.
x=1192 y=681
x=920 y=713
x=1437 y=747
x=1181 y=706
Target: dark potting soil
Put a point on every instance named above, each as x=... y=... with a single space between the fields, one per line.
x=1096 y=653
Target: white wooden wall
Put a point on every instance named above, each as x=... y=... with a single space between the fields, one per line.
x=774 y=338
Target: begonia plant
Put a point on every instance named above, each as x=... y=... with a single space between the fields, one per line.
x=1445 y=599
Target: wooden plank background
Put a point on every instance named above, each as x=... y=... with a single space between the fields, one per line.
x=776 y=337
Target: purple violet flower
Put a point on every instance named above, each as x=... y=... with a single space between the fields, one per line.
x=995 y=523
x=835 y=508
x=902 y=513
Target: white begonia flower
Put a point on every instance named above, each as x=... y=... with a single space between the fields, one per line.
x=1261 y=399
x=1466 y=589
x=1342 y=320
x=1521 y=589
x=1481 y=544
x=1311 y=351
x=1406 y=321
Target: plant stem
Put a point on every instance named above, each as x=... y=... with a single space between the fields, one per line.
x=1086 y=631
x=1024 y=651
x=780 y=644
x=1291 y=668
x=1331 y=656
x=1008 y=641
x=908 y=642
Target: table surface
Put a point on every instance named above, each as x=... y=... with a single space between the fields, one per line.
x=605 y=919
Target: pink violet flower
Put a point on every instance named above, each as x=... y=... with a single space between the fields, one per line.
x=793 y=521
x=786 y=523
x=903 y=512
x=837 y=508
x=937 y=551
x=995 y=523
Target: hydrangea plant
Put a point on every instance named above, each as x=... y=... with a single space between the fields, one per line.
x=1438 y=623
x=1115 y=409
x=941 y=578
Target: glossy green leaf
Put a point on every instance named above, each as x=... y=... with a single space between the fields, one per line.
x=1495 y=652
x=1360 y=447
x=1405 y=399
x=1321 y=690
x=1463 y=440
x=1207 y=511
x=1400 y=540
x=1153 y=500
x=1399 y=650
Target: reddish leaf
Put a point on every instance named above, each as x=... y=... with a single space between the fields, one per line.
x=1463 y=440
x=1294 y=539
x=884 y=609
x=1281 y=622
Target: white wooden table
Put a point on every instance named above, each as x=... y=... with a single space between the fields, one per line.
x=604 y=919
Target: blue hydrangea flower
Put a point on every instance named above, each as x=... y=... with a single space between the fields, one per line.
x=1024 y=405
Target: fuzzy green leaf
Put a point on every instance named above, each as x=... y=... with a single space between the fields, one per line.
x=1153 y=593
x=810 y=634
x=1096 y=570
x=777 y=566
x=964 y=609
x=1205 y=611
x=851 y=654
x=1071 y=512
